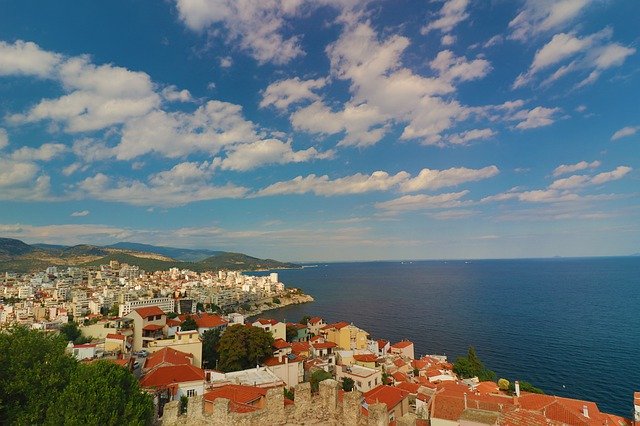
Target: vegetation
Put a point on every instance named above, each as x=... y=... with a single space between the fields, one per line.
x=305 y=319
x=471 y=366
x=289 y=394
x=526 y=387
x=210 y=341
x=115 y=310
x=292 y=333
x=71 y=332
x=318 y=376
x=188 y=324
x=184 y=402
x=199 y=307
x=277 y=301
x=347 y=384
x=243 y=347
x=503 y=384
x=41 y=384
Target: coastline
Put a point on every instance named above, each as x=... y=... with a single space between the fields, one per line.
x=286 y=300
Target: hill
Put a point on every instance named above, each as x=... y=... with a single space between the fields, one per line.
x=16 y=256
x=183 y=254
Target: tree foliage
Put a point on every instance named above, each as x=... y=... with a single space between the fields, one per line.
x=101 y=393
x=292 y=333
x=305 y=319
x=188 y=324
x=526 y=387
x=471 y=366
x=318 y=376
x=72 y=332
x=347 y=384
x=503 y=384
x=242 y=347
x=41 y=384
x=210 y=341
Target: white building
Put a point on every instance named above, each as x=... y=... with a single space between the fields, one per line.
x=167 y=304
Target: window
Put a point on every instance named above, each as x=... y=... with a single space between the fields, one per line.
x=192 y=392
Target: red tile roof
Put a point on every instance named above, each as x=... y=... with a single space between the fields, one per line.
x=205 y=320
x=389 y=395
x=152 y=327
x=337 y=325
x=298 y=347
x=149 y=311
x=264 y=321
x=315 y=320
x=167 y=356
x=366 y=357
x=382 y=343
x=115 y=336
x=412 y=388
x=487 y=387
x=402 y=344
x=281 y=344
x=323 y=345
x=240 y=394
x=166 y=376
x=172 y=322
x=280 y=360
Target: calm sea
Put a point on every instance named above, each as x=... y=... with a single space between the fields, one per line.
x=569 y=326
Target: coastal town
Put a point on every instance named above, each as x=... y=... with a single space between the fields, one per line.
x=159 y=325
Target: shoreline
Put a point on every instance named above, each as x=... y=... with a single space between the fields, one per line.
x=287 y=300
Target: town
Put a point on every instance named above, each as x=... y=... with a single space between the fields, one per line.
x=197 y=346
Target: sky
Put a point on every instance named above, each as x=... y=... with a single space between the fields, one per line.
x=324 y=129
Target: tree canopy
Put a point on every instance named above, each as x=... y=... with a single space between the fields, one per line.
x=292 y=333
x=188 y=324
x=347 y=384
x=210 y=341
x=317 y=377
x=242 y=347
x=471 y=366
x=41 y=384
x=72 y=332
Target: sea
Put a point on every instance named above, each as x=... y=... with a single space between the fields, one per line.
x=570 y=326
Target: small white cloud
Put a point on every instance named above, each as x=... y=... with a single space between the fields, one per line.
x=172 y=94
x=570 y=168
x=45 y=152
x=283 y=93
x=452 y=13
x=81 y=213
x=537 y=16
x=226 y=62
x=249 y=156
x=447 y=40
x=624 y=132
x=4 y=138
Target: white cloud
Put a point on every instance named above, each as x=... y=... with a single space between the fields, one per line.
x=624 y=132
x=471 y=135
x=453 y=214
x=98 y=97
x=255 y=24
x=226 y=62
x=167 y=189
x=172 y=94
x=16 y=172
x=4 y=138
x=452 y=13
x=493 y=41
x=45 y=152
x=21 y=180
x=424 y=202
x=616 y=174
x=81 y=213
x=571 y=182
x=570 y=168
x=539 y=16
x=429 y=179
x=26 y=58
x=269 y=151
x=283 y=93
x=447 y=40
x=322 y=185
x=175 y=134
x=452 y=68
x=536 y=117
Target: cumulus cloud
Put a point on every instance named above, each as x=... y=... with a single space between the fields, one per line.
x=618 y=173
x=45 y=152
x=269 y=151
x=452 y=13
x=624 y=132
x=26 y=58
x=173 y=94
x=452 y=68
x=427 y=179
x=570 y=168
x=22 y=180
x=181 y=185
x=538 y=16
x=593 y=52
x=536 y=117
x=424 y=202
x=283 y=93
x=471 y=135
x=81 y=213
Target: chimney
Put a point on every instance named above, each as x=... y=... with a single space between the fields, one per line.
x=465 y=400
x=585 y=411
x=517 y=386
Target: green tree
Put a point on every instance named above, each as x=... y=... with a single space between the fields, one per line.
x=242 y=347
x=305 y=319
x=471 y=366
x=277 y=301
x=292 y=333
x=503 y=384
x=210 y=340
x=102 y=393
x=114 y=311
x=347 y=384
x=184 y=402
x=526 y=387
x=188 y=324
x=289 y=393
x=172 y=315
x=199 y=307
x=35 y=369
x=71 y=332
x=316 y=377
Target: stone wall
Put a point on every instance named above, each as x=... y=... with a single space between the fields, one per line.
x=325 y=408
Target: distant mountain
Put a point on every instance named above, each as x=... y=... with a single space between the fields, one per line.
x=17 y=256
x=186 y=255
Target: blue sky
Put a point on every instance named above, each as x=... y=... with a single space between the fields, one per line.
x=325 y=129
